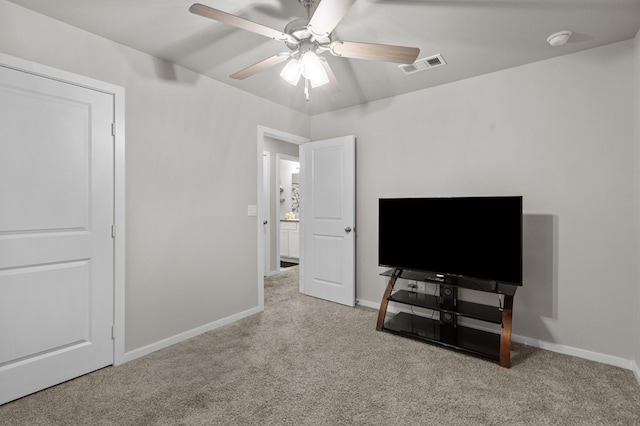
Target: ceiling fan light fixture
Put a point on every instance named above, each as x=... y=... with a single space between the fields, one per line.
x=313 y=70
x=319 y=80
x=291 y=72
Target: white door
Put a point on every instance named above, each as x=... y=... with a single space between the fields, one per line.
x=56 y=216
x=328 y=219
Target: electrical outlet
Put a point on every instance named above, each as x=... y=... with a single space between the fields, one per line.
x=422 y=287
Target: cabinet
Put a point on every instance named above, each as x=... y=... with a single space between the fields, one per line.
x=445 y=330
x=290 y=239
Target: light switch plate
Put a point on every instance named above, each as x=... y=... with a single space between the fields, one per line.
x=252 y=210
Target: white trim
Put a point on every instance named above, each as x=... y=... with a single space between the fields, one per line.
x=266 y=205
x=118 y=93
x=368 y=304
x=579 y=353
x=119 y=219
x=181 y=337
x=283 y=136
x=553 y=347
x=636 y=370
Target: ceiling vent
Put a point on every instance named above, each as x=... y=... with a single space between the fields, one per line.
x=423 y=64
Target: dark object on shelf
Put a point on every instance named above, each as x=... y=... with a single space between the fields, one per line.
x=446 y=331
x=284 y=264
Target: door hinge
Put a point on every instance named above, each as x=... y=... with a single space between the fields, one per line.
x=113 y=332
x=113 y=230
x=113 y=129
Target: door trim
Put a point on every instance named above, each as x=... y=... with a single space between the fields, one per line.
x=117 y=93
x=263 y=132
x=266 y=204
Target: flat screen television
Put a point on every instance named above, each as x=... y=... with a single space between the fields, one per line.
x=470 y=237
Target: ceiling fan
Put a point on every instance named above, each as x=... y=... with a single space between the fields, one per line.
x=306 y=38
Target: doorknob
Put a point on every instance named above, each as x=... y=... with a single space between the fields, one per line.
x=264 y=222
x=347 y=229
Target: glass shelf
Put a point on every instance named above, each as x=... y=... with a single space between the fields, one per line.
x=462 y=282
x=463 y=308
x=473 y=341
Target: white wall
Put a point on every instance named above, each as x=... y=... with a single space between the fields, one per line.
x=558 y=132
x=190 y=169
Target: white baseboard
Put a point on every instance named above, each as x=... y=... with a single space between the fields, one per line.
x=367 y=304
x=579 y=353
x=636 y=370
x=553 y=347
x=145 y=350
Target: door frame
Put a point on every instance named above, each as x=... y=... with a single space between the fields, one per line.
x=263 y=132
x=117 y=92
x=266 y=203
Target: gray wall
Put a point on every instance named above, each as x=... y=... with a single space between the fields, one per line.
x=190 y=174
x=558 y=132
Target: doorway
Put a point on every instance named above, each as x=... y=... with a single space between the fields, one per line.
x=327 y=183
x=287 y=208
x=280 y=146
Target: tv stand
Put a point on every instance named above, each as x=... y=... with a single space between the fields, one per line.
x=446 y=331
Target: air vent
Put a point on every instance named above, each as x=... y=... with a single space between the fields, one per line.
x=423 y=64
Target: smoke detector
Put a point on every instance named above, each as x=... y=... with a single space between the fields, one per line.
x=559 y=38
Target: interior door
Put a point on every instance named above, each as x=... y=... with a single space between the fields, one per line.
x=56 y=245
x=328 y=219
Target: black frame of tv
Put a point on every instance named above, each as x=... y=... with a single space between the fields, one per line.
x=453 y=239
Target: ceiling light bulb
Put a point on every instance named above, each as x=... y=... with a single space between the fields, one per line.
x=319 y=80
x=291 y=72
x=313 y=70
x=559 y=38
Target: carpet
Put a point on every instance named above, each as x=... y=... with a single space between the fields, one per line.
x=305 y=361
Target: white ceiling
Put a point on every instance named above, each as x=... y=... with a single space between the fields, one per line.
x=474 y=37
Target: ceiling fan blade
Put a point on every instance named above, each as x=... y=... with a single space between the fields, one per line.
x=327 y=15
x=379 y=52
x=271 y=61
x=236 y=21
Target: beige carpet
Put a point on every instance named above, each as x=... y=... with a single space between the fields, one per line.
x=309 y=362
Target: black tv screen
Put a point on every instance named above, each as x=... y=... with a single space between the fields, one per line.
x=474 y=237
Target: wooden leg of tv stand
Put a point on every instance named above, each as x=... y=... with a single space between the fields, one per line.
x=382 y=313
x=505 y=338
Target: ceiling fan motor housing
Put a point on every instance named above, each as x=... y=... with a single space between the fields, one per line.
x=299 y=28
